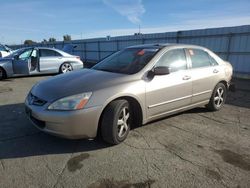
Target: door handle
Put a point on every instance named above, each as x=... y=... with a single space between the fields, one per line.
x=215 y=71
x=186 y=77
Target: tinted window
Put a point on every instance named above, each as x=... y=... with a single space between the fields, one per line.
x=128 y=61
x=49 y=53
x=199 y=58
x=174 y=59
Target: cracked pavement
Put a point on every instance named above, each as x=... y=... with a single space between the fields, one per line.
x=196 y=148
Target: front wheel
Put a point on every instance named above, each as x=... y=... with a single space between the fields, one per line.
x=218 y=97
x=116 y=120
x=66 y=67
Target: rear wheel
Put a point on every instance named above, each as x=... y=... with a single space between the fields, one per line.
x=116 y=120
x=66 y=67
x=218 y=97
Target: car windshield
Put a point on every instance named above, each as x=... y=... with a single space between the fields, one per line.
x=127 y=61
x=18 y=52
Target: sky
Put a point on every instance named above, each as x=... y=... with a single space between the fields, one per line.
x=42 y=19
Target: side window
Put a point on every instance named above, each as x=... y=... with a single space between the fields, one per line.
x=26 y=54
x=213 y=61
x=48 y=53
x=34 y=53
x=174 y=59
x=199 y=58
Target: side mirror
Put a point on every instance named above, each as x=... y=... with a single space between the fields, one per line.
x=161 y=70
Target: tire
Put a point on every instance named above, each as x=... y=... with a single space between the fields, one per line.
x=218 y=97
x=116 y=121
x=2 y=74
x=65 y=67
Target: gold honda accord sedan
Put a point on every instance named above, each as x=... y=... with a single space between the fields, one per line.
x=130 y=87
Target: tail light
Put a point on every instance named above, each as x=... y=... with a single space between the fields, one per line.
x=77 y=57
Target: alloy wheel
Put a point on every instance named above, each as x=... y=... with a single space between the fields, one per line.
x=122 y=122
x=219 y=97
x=66 y=67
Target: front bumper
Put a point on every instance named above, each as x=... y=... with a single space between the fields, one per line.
x=68 y=124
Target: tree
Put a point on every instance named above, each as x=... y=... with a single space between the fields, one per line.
x=52 y=39
x=29 y=42
x=44 y=41
x=66 y=37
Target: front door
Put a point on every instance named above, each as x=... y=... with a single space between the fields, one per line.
x=22 y=62
x=167 y=93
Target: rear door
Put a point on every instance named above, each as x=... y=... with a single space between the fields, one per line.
x=204 y=71
x=22 y=63
x=50 y=60
x=167 y=93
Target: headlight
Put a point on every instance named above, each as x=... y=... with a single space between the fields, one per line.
x=74 y=102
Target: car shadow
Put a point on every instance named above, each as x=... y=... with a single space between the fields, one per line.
x=241 y=96
x=19 y=138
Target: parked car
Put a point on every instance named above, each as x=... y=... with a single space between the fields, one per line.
x=131 y=87
x=38 y=60
x=4 y=51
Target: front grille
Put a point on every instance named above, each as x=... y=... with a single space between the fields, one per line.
x=33 y=100
x=37 y=122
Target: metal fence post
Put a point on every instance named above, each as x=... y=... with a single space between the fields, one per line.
x=99 y=50
x=85 y=51
x=117 y=45
x=143 y=40
x=178 y=33
x=229 y=45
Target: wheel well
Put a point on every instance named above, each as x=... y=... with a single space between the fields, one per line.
x=4 y=72
x=225 y=83
x=136 y=110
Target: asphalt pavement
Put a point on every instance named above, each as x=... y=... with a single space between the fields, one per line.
x=196 y=148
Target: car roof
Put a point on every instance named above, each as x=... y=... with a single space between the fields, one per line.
x=162 y=45
x=39 y=47
x=47 y=48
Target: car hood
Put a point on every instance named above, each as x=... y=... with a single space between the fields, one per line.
x=86 y=80
x=4 y=60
